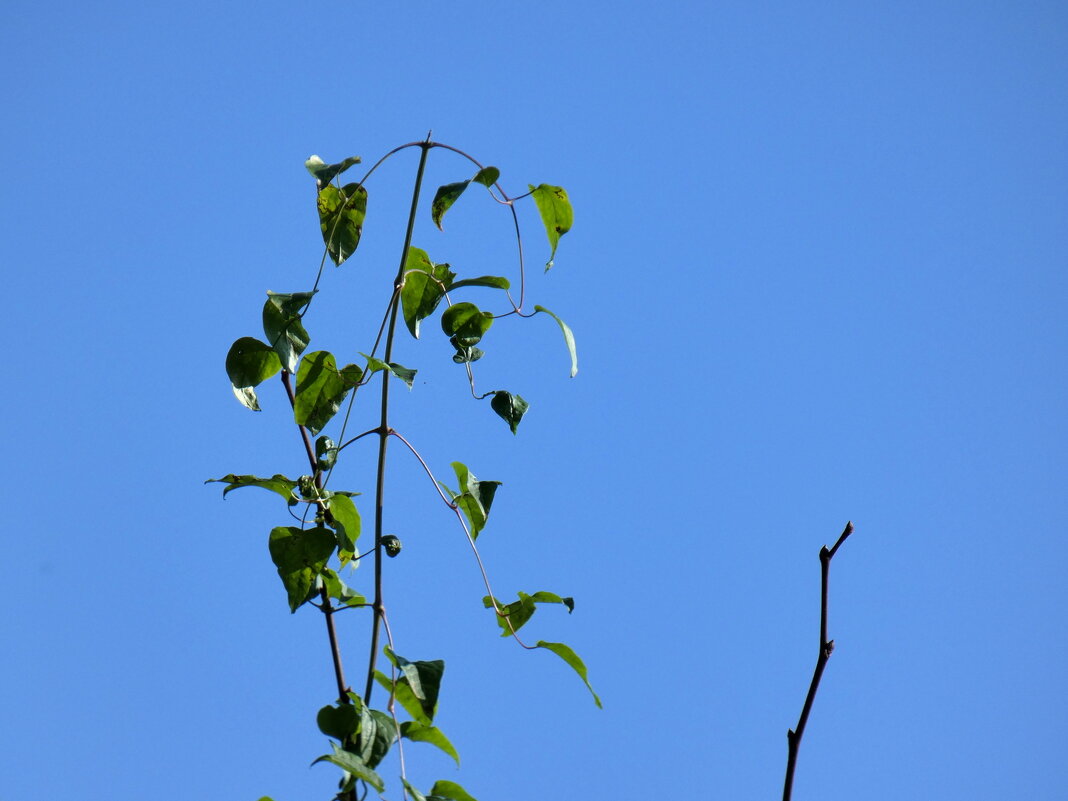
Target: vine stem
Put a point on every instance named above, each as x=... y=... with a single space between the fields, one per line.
x=793 y=736
x=383 y=429
x=326 y=607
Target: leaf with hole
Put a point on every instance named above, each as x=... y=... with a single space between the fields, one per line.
x=300 y=556
x=556 y=214
x=277 y=483
x=326 y=452
x=350 y=762
x=425 y=284
x=325 y=173
x=509 y=407
x=321 y=388
x=341 y=216
x=569 y=656
x=283 y=328
x=569 y=338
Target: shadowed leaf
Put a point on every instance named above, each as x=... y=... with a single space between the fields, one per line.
x=341 y=216
x=509 y=407
x=300 y=556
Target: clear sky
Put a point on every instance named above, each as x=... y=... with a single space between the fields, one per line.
x=818 y=272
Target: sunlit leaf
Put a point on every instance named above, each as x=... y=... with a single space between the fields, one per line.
x=509 y=407
x=569 y=656
x=556 y=214
x=377 y=734
x=466 y=322
x=300 y=556
x=276 y=483
x=339 y=590
x=487 y=176
x=414 y=730
x=341 y=216
x=449 y=791
x=424 y=680
x=474 y=498
x=513 y=616
x=425 y=284
x=405 y=374
x=321 y=388
x=283 y=328
x=350 y=762
x=569 y=338
x=492 y=281
x=346 y=522
x=325 y=173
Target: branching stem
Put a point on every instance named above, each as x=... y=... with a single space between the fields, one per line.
x=793 y=736
x=383 y=429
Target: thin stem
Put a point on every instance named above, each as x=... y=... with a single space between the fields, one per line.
x=793 y=736
x=383 y=430
x=327 y=607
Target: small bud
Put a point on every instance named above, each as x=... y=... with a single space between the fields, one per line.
x=392 y=545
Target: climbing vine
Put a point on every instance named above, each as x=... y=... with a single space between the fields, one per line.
x=320 y=547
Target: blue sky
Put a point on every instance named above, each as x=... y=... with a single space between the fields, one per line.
x=817 y=273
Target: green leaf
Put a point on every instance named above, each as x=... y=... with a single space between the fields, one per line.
x=416 y=731
x=569 y=656
x=348 y=761
x=448 y=194
x=377 y=734
x=515 y=615
x=443 y=200
x=569 y=338
x=300 y=556
x=474 y=498
x=340 y=721
x=425 y=284
x=509 y=407
x=321 y=388
x=276 y=483
x=421 y=704
x=405 y=374
x=326 y=452
x=556 y=214
x=341 y=215
x=346 y=524
x=450 y=791
x=404 y=695
x=325 y=173
x=492 y=281
x=466 y=323
x=487 y=176
x=248 y=363
x=282 y=325
x=339 y=590
x=416 y=795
